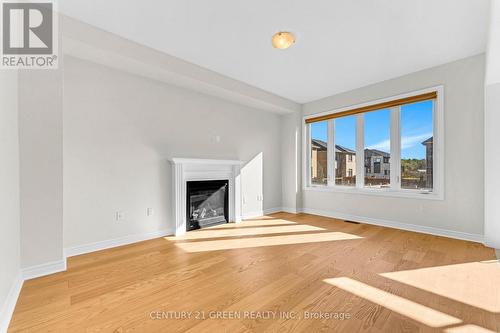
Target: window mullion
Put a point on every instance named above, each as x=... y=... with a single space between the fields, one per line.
x=360 y=151
x=437 y=155
x=395 y=148
x=330 y=152
x=308 y=147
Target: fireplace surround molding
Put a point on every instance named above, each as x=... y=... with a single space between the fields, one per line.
x=194 y=169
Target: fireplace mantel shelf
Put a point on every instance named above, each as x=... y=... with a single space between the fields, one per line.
x=177 y=160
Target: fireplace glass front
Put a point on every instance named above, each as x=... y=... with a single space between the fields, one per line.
x=207 y=203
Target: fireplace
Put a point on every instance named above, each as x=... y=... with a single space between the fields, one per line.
x=203 y=171
x=207 y=203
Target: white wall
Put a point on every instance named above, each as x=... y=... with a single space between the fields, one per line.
x=491 y=131
x=462 y=209
x=493 y=48
x=492 y=161
x=291 y=166
x=121 y=129
x=9 y=189
x=40 y=139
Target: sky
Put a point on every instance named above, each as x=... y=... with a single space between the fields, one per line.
x=416 y=127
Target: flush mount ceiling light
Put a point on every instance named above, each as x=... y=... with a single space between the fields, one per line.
x=283 y=40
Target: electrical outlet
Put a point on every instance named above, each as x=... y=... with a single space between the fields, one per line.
x=119 y=216
x=149 y=212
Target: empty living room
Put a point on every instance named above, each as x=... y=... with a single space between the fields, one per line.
x=250 y=166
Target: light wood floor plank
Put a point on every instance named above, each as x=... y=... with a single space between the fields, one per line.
x=384 y=279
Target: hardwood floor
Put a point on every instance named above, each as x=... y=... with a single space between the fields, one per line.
x=284 y=272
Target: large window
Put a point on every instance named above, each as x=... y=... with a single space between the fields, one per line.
x=390 y=146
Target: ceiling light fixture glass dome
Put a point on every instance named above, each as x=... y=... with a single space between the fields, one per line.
x=283 y=40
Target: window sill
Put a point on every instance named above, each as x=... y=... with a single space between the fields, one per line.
x=411 y=194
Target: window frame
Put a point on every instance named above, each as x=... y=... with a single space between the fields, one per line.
x=395 y=171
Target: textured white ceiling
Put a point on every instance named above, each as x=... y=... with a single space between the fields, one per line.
x=341 y=44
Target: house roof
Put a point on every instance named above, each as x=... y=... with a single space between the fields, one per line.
x=376 y=152
x=428 y=141
x=322 y=145
x=344 y=149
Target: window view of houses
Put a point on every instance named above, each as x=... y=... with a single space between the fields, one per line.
x=377 y=168
x=416 y=149
x=377 y=139
x=415 y=173
x=345 y=166
x=319 y=163
x=417 y=143
x=344 y=131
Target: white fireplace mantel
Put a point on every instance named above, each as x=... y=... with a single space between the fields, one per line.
x=192 y=169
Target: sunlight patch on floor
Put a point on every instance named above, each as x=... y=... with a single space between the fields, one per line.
x=253 y=223
x=231 y=232
x=468 y=329
x=242 y=243
x=264 y=218
x=475 y=283
x=403 y=306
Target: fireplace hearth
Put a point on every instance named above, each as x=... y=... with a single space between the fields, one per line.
x=207 y=203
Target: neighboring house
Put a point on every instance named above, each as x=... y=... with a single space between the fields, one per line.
x=345 y=162
x=429 y=161
x=318 y=162
x=345 y=165
x=377 y=165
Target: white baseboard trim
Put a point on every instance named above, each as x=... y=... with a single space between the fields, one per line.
x=251 y=215
x=291 y=210
x=107 y=244
x=272 y=210
x=398 y=225
x=9 y=305
x=44 y=269
x=493 y=243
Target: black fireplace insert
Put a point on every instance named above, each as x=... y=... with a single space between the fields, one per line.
x=207 y=203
